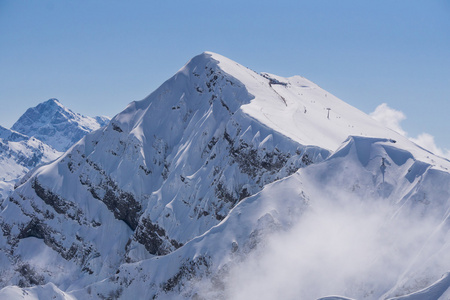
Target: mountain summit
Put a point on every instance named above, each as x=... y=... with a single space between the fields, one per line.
x=42 y=129
x=182 y=188
x=56 y=125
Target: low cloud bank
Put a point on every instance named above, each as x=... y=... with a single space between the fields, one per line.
x=341 y=247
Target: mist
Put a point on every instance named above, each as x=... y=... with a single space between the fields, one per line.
x=347 y=246
x=370 y=222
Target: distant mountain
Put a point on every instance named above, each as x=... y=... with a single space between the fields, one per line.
x=53 y=128
x=229 y=184
x=18 y=155
x=56 y=125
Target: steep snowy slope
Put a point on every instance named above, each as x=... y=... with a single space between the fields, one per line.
x=48 y=291
x=56 y=125
x=18 y=155
x=370 y=222
x=136 y=206
x=165 y=170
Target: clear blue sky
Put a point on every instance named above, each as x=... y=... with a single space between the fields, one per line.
x=96 y=56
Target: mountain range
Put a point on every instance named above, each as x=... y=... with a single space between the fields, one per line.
x=230 y=184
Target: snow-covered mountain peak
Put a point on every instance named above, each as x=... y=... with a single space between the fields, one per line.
x=52 y=102
x=192 y=180
x=300 y=109
x=56 y=125
x=164 y=170
x=295 y=107
x=48 y=108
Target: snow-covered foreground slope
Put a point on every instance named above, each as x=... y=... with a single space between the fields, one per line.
x=222 y=184
x=56 y=125
x=18 y=155
x=48 y=291
x=370 y=222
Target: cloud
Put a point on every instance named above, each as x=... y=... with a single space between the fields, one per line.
x=340 y=247
x=391 y=118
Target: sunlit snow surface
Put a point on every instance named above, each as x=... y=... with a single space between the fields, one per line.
x=364 y=215
x=18 y=155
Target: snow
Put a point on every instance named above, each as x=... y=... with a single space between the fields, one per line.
x=48 y=291
x=225 y=183
x=309 y=234
x=334 y=298
x=57 y=125
x=18 y=155
x=312 y=127
x=38 y=137
x=436 y=291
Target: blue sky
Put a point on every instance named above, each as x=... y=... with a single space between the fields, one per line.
x=96 y=56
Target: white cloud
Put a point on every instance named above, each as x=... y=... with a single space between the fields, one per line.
x=391 y=118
